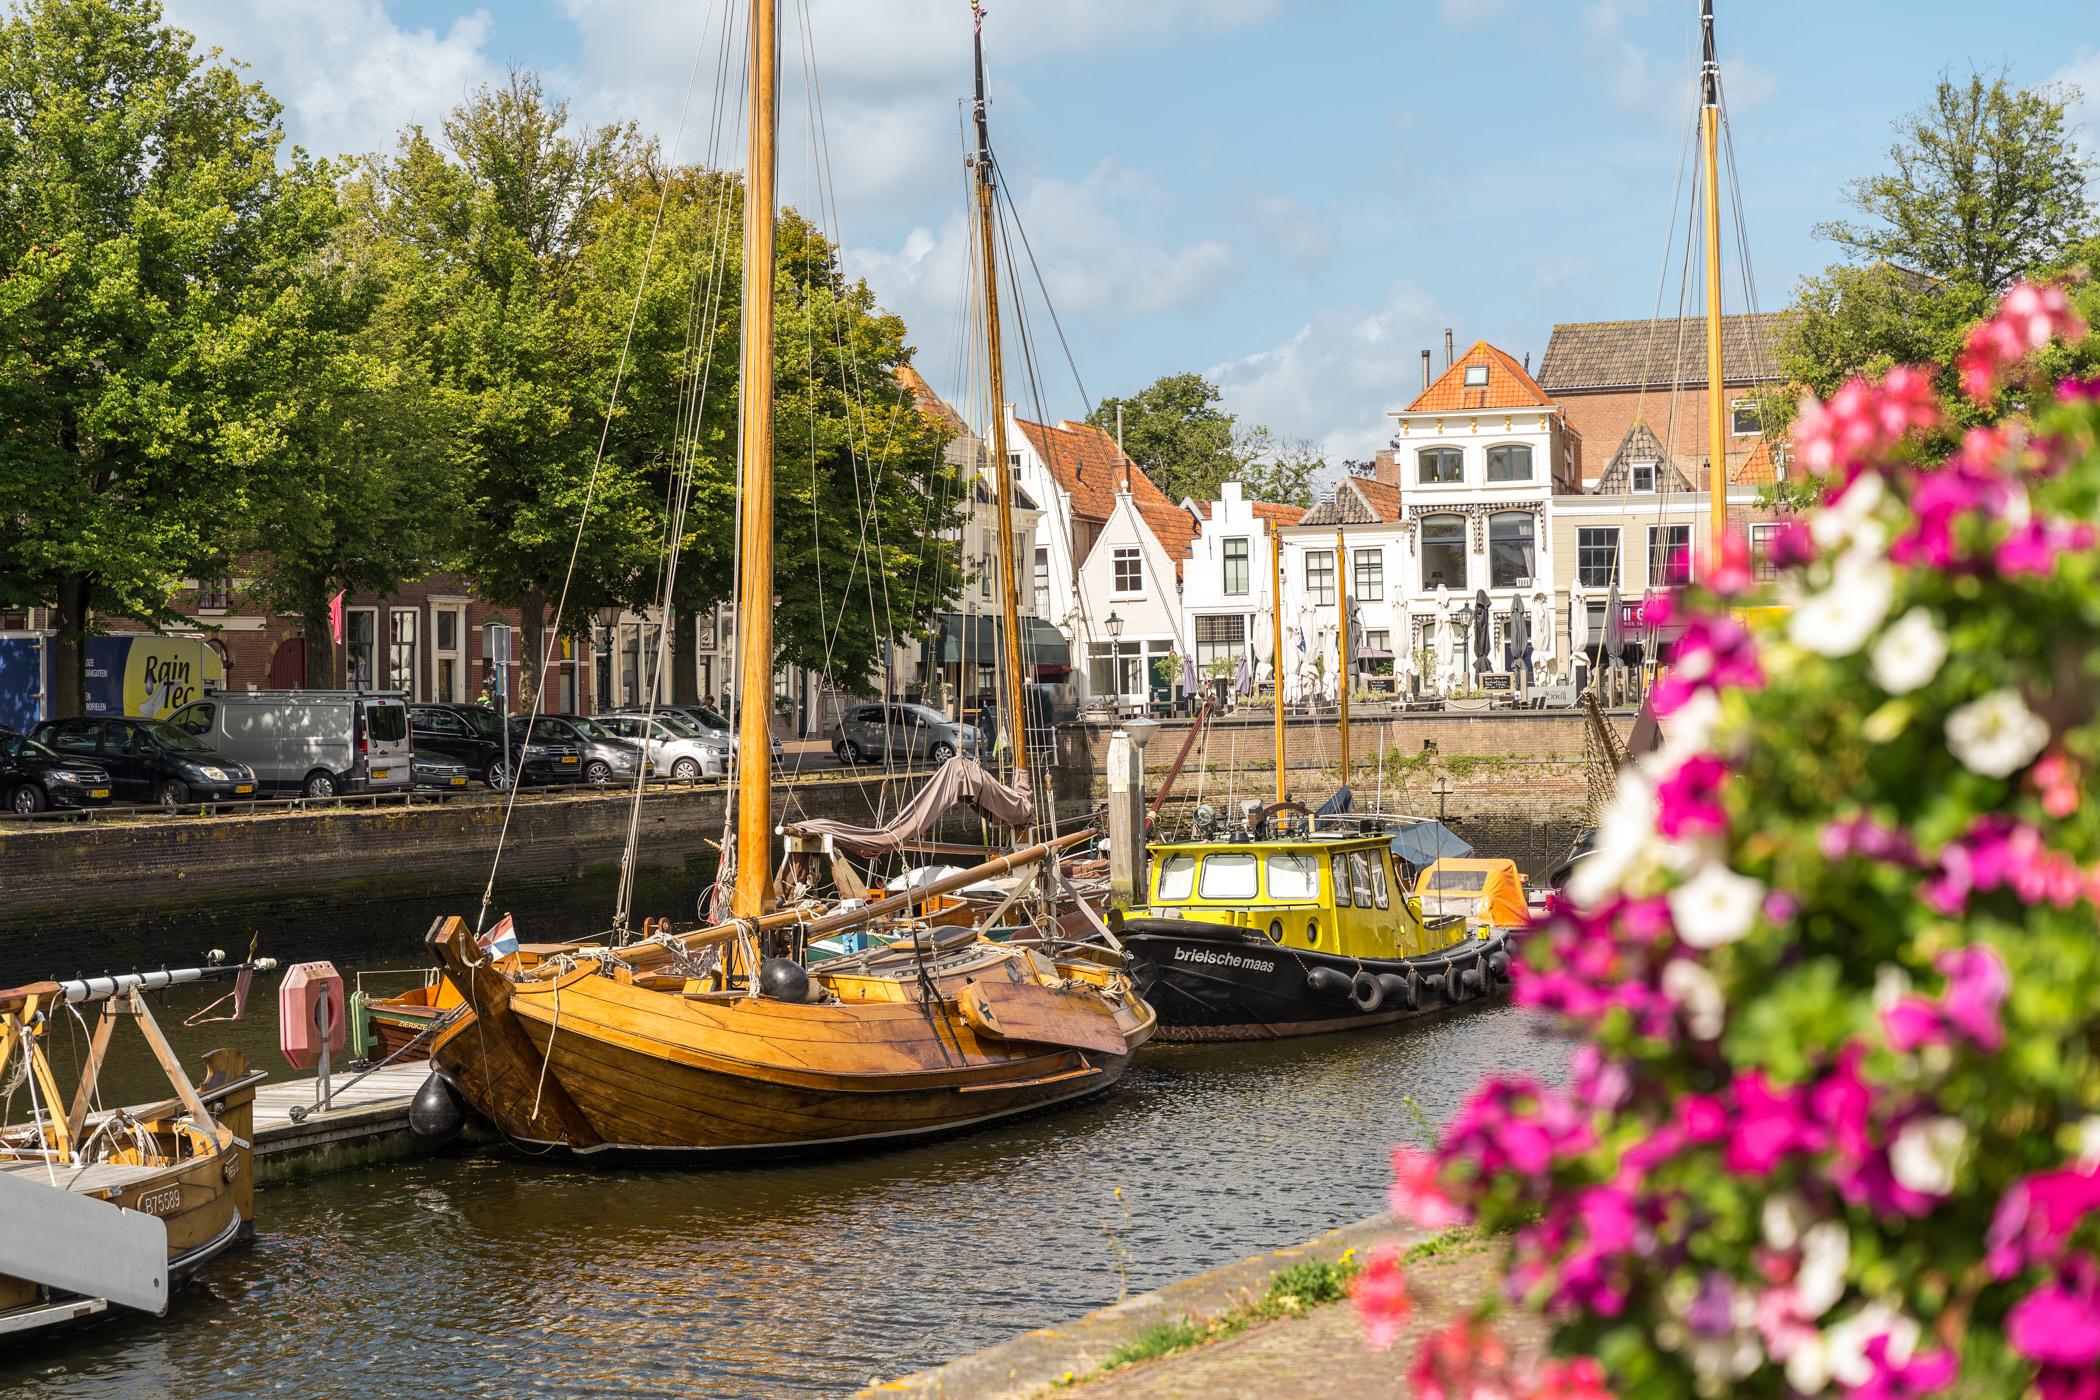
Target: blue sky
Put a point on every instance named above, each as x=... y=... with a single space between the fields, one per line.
x=1296 y=196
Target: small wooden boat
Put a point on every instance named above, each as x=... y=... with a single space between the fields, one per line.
x=401 y=1027
x=121 y=1205
x=1279 y=935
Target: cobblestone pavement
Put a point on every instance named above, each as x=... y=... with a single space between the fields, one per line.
x=1322 y=1355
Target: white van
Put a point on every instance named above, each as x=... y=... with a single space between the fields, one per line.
x=314 y=742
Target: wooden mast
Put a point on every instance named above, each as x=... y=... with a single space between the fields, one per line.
x=1341 y=584
x=1276 y=643
x=754 y=604
x=1709 y=142
x=1002 y=466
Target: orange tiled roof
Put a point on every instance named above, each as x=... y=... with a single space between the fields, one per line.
x=1755 y=469
x=930 y=403
x=1508 y=385
x=1086 y=462
x=1379 y=496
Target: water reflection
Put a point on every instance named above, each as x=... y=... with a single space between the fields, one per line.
x=490 y=1271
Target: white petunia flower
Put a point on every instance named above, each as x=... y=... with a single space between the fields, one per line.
x=1715 y=906
x=1625 y=834
x=1909 y=654
x=1826 y=1252
x=1845 y=1345
x=2089 y=1141
x=1926 y=1154
x=1839 y=523
x=1996 y=735
x=1687 y=732
x=1785 y=1217
x=1838 y=621
x=1698 y=995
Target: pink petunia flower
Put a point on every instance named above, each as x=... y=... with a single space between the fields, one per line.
x=1417 y=1197
x=1379 y=1291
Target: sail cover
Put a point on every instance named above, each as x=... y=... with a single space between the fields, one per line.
x=961 y=782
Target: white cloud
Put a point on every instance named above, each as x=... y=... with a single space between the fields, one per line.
x=1666 y=85
x=1337 y=376
x=1303 y=237
x=2083 y=115
x=348 y=76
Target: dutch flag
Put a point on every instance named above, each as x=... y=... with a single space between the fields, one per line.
x=500 y=941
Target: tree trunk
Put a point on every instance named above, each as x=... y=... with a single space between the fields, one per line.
x=685 y=658
x=531 y=651
x=69 y=647
x=323 y=657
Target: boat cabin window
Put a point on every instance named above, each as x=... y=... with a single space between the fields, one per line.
x=1228 y=875
x=1294 y=877
x=1378 y=885
x=1177 y=877
x=1360 y=878
x=1341 y=880
x=1475 y=880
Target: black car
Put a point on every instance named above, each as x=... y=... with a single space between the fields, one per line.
x=149 y=760
x=434 y=772
x=33 y=777
x=473 y=734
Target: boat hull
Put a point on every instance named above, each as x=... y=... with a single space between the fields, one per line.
x=600 y=1068
x=1217 y=982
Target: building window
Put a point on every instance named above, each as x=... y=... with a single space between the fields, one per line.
x=1444 y=551
x=1042 y=583
x=1219 y=639
x=1319 y=577
x=360 y=646
x=1640 y=476
x=1476 y=376
x=1512 y=543
x=1368 y=583
x=1235 y=568
x=1440 y=466
x=1129 y=564
x=214 y=594
x=1761 y=540
x=1669 y=554
x=1746 y=421
x=450 y=627
x=1378 y=651
x=1509 y=463
x=1597 y=556
x=401 y=651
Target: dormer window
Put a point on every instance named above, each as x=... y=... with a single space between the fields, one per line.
x=1640 y=477
x=1476 y=376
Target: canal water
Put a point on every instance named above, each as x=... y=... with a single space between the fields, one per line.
x=484 y=1270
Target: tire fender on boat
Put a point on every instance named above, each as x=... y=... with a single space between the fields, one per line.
x=1366 y=991
x=1330 y=982
x=1407 y=991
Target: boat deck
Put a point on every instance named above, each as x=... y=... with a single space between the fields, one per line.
x=103 y=1176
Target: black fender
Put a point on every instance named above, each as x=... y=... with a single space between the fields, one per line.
x=1404 y=990
x=1329 y=982
x=1366 y=991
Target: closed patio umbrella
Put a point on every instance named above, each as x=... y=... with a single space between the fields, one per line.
x=1578 y=628
x=1190 y=681
x=1614 y=630
x=1483 y=627
x=1520 y=640
x=1243 y=679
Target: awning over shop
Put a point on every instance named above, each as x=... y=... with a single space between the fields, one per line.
x=983 y=639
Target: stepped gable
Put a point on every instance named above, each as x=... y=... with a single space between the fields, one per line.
x=1508 y=386
x=1640 y=445
x=1091 y=469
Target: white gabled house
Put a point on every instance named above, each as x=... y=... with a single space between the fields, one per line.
x=1226 y=582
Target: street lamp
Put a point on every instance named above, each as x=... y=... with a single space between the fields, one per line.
x=1114 y=625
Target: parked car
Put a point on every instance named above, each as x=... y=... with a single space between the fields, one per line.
x=607 y=757
x=869 y=733
x=314 y=742
x=705 y=718
x=33 y=777
x=437 y=773
x=676 y=746
x=149 y=760
x=548 y=758
x=470 y=734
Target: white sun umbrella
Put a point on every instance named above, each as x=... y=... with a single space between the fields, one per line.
x=1243 y=679
x=1578 y=627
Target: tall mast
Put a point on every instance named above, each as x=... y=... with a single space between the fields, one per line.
x=1341 y=583
x=1002 y=467
x=1709 y=142
x=1276 y=643
x=754 y=603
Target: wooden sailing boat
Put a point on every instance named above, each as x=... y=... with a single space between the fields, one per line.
x=722 y=1041
x=119 y=1206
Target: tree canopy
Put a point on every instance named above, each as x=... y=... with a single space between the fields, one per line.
x=1177 y=432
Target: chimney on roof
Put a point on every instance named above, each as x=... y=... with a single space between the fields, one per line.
x=1425 y=369
x=1119 y=427
x=1447 y=348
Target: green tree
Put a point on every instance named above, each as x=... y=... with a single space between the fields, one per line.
x=1984 y=186
x=151 y=244
x=1190 y=446
x=524 y=351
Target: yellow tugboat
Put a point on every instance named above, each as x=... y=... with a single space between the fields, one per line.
x=1295 y=933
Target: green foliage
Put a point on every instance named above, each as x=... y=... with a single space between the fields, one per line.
x=1160 y=1339
x=150 y=312
x=1309 y=1284
x=1189 y=446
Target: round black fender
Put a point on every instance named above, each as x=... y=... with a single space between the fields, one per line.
x=436 y=1112
x=1432 y=986
x=1402 y=991
x=1473 y=979
x=783 y=979
x=1365 y=991
x=1329 y=982
x=1498 y=964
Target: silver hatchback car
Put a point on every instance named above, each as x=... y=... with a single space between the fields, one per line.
x=677 y=747
x=871 y=733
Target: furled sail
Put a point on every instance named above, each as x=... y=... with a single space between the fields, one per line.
x=961 y=782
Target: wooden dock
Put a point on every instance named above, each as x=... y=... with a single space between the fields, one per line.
x=365 y=1122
